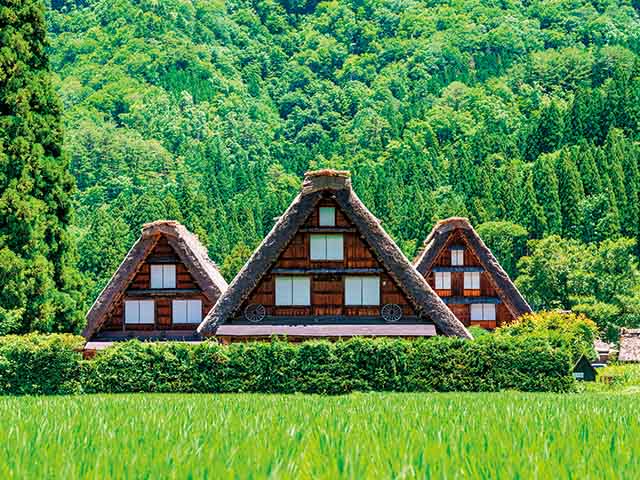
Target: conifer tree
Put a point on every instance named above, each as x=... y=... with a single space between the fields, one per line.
x=571 y=193
x=587 y=167
x=38 y=278
x=530 y=213
x=545 y=183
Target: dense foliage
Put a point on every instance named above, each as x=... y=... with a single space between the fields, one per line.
x=209 y=112
x=571 y=332
x=37 y=260
x=52 y=364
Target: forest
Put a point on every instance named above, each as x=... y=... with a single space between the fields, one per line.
x=522 y=115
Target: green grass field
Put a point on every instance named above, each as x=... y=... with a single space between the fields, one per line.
x=491 y=436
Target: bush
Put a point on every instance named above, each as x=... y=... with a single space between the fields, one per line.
x=40 y=364
x=36 y=364
x=572 y=332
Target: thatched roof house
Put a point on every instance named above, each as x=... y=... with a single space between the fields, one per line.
x=629 y=345
x=328 y=269
x=163 y=287
x=463 y=271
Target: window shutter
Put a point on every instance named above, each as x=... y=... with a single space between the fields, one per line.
x=131 y=311
x=318 y=247
x=327 y=217
x=147 y=311
x=301 y=291
x=156 y=276
x=194 y=311
x=489 y=311
x=179 y=311
x=284 y=287
x=476 y=311
x=370 y=290
x=168 y=276
x=352 y=291
x=334 y=247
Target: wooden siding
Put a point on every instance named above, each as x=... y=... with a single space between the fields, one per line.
x=487 y=287
x=327 y=289
x=164 y=253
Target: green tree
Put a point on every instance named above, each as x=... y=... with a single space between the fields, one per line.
x=507 y=241
x=38 y=279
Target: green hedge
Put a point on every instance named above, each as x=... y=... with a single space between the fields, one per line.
x=40 y=364
x=49 y=365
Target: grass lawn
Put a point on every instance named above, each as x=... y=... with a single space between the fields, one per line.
x=507 y=435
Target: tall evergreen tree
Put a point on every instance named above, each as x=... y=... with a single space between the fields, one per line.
x=530 y=213
x=545 y=183
x=38 y=279
x=571 y=193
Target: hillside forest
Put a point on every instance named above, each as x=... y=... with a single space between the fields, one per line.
x=522 y=115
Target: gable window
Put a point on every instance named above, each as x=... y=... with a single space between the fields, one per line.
x=293 y=291
x=327 y=247
x=163 y=276
x=483 y=311
x=472 y=280
x=457 y=256
x=139 y=311
x=362 y=291
x=187 y=311
x=443 y=280
x=327 y=216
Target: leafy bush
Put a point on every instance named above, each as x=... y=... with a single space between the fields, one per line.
x=570 y=331
x=439 y=364
x=37 y=364
x=40 y=364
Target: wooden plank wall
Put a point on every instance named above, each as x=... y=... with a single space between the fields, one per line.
x=327 y=291
x=163 y=304
x=487 y=289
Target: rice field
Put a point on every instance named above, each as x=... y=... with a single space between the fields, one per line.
x=490 y=436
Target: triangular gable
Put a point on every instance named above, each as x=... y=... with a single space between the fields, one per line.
x=186 y=245
x=416 y=289
x=437 y=241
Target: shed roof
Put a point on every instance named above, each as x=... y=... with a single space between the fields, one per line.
x=437 y=240
x=338 y=184
x=191 y=252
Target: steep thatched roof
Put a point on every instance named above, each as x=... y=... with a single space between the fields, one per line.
x=437 y=240
x=629 y=345
x=191 y=252
x=338 y=184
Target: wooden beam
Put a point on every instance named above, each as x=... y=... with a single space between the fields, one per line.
x=325 y=271
x=469 y=300
x=328 y=229
x=156 y=259
x=161 y=292
x=458 y=268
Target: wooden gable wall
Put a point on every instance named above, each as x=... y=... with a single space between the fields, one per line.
x=327 y=290
x=161 y=253
x=487 y=286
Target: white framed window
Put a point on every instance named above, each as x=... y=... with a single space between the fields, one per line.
x=139 y=311
x=483 y=311
x=362 y=290
x=457 y=256
x=443 y=280
x=327 y=247
x=163 y=276
x=472 y=280
x=293 y=291
x=186 y=311
x=327 y=216
x=578 y=375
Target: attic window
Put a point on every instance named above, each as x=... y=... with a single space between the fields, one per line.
x=293 y=291
x=187 y=311
x=362 y=291
x=163 y=276
x=139 y=311
x=472 y=280
x=327 y=247
x=457 y=256
x=327 y=216
x=443 y=280
x=483 y=311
